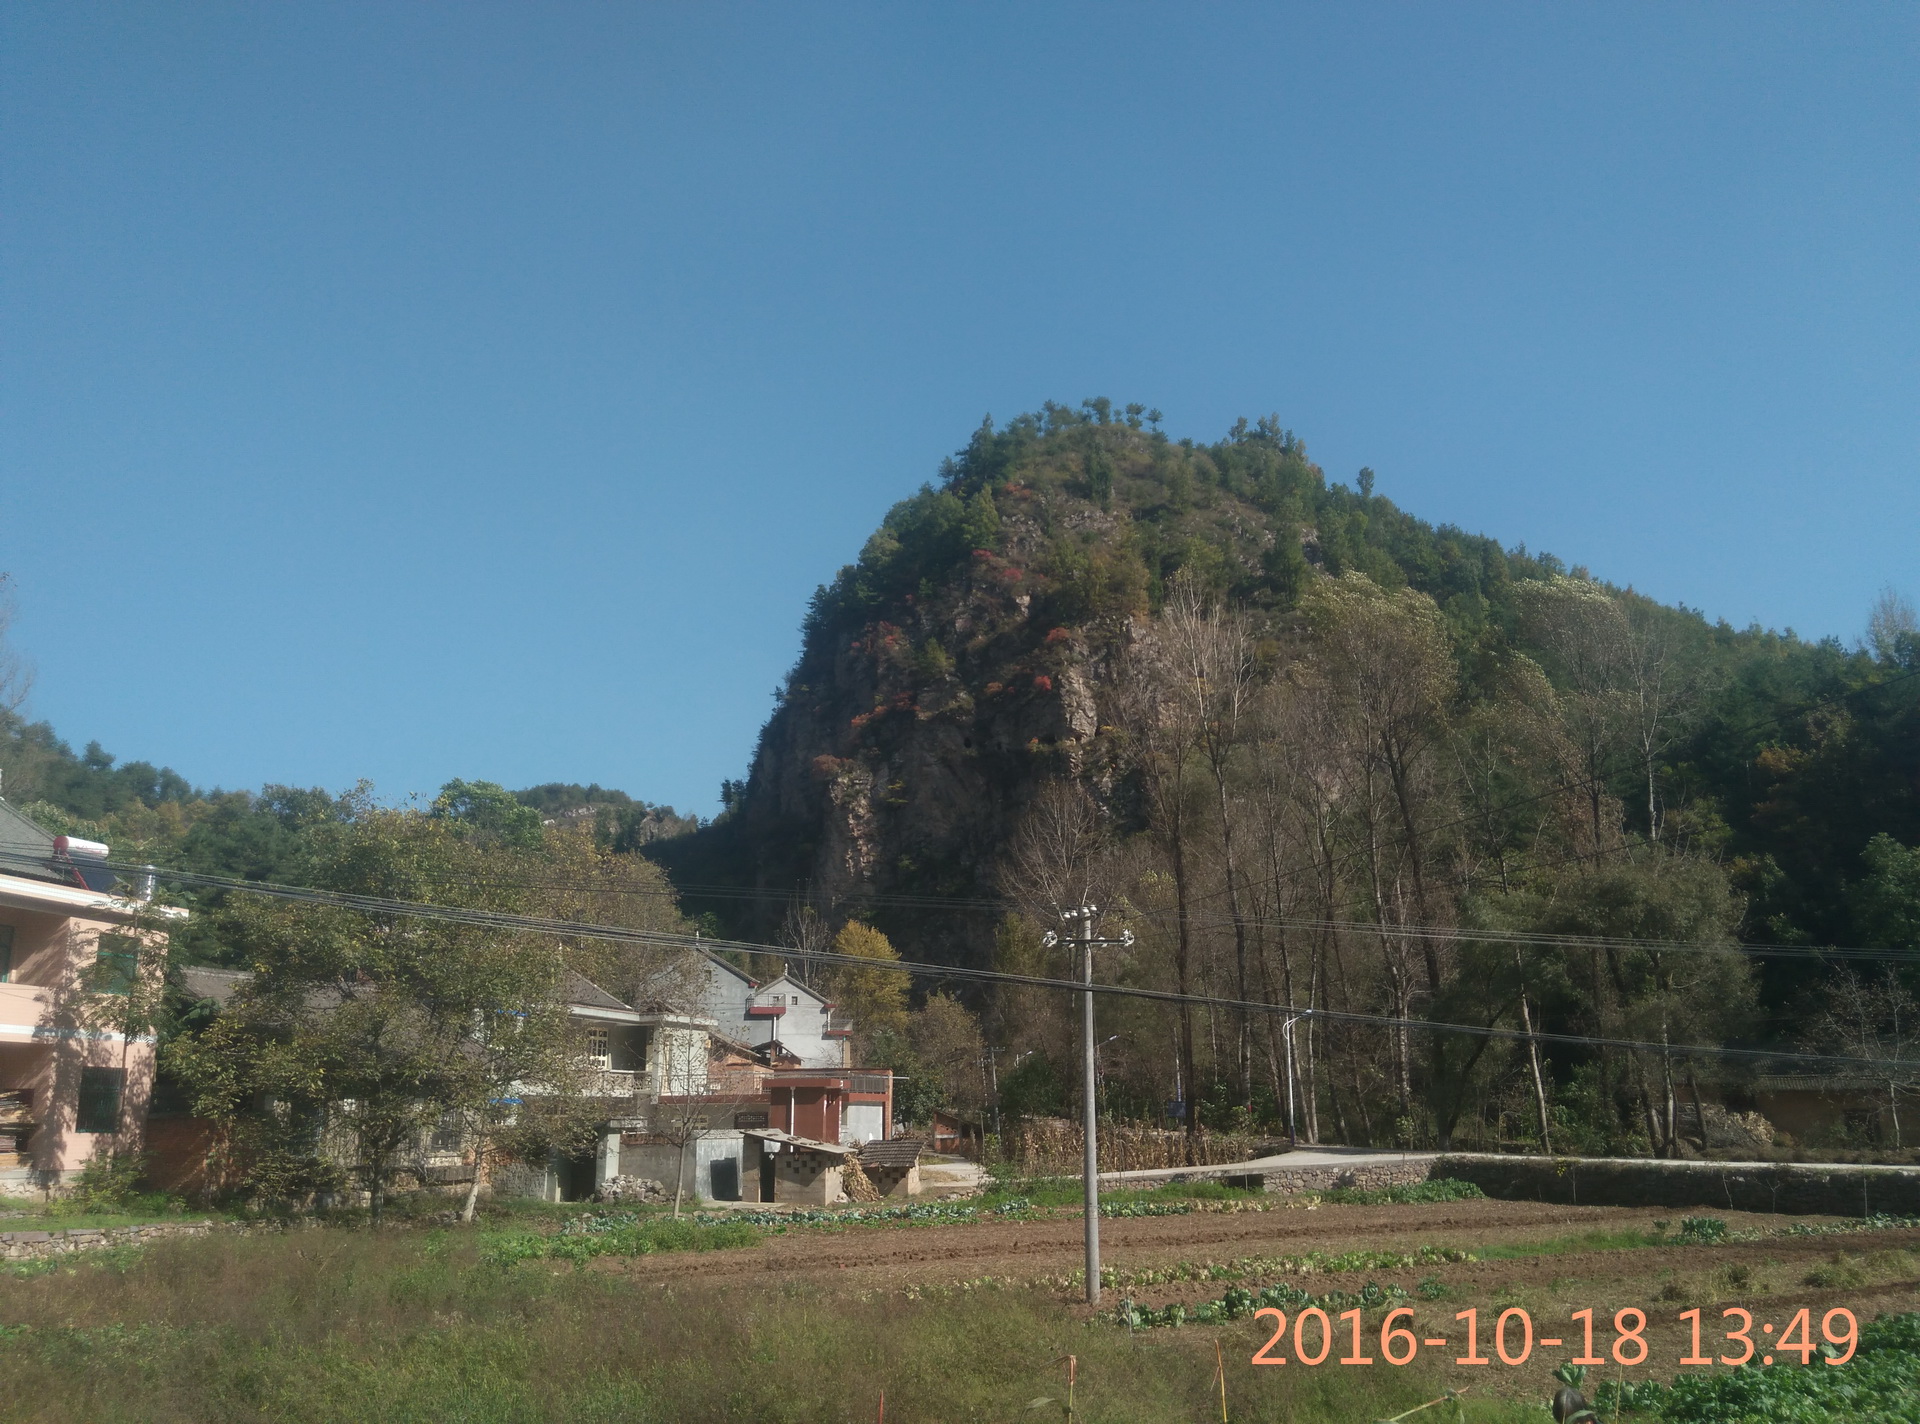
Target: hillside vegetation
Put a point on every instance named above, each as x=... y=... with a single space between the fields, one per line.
x=1313 y=751
x=1307 y=744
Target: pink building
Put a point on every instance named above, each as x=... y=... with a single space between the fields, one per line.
x=78 y=964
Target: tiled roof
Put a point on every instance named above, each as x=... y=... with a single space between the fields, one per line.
x=589 y=995
x=891 y=1152
x=215 y=984
x=26 y=848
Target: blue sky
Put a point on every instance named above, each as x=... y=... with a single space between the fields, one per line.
x=412 y=391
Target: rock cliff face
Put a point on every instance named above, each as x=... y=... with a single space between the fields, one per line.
x=895 y=770
x=972 y=653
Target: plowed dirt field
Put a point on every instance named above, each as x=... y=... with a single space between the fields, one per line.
x=1549 y=1261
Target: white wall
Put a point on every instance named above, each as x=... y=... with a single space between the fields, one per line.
x=801 y=1030
x=864 y=1122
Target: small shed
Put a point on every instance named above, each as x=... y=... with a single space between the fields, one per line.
x=954 y=1136
x=893 y=1165
x=799 y=1170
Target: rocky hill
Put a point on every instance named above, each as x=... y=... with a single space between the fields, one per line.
x=972 y=652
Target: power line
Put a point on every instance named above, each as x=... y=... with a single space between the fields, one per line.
x=1361 y=928
x=537 y=924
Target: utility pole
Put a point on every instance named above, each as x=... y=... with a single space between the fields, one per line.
x=1087 y=942
x=1293 y=1131
x=993 y=1071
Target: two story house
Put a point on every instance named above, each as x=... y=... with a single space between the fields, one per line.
x=784 y=1015
x=78 y=953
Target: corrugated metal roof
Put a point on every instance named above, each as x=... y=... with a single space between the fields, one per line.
x=799 y=1144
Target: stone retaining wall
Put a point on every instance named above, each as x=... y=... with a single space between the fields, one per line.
x=38 y=1245
x=1796 y=1188
x=1369 y=1176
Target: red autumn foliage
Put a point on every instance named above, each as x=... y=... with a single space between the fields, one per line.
x=1058 y=635
x=1043 y=683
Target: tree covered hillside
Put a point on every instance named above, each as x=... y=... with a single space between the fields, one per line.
x=1311 y=743
x=153 y=813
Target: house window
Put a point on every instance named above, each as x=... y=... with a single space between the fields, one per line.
x=449 y=1134
x=599 y=1048
x=100 y=1090
x=6 y=954
x=116 y=964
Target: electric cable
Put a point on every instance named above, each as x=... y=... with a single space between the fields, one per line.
x=564 y=928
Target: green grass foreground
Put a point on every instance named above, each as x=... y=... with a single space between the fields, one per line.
x=400 y=1327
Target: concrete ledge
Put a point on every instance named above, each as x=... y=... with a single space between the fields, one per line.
x=1794 y=1188
x=1306 y=1169
x=1790 y=1188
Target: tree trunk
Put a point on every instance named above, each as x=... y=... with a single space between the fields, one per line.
x=1182 y=965
x=472 y=1202
x=1243 y=1026
x=680 y=1176
x=1539 y=1082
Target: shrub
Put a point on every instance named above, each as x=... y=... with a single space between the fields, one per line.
x=109 y=1182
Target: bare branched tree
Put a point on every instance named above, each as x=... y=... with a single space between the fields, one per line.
x=1893 y=628
x=1877 y=1020
x=807 y=930
x=1209 y=652
x=1062 y=853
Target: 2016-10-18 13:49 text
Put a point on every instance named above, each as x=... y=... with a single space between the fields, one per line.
x=1314 y=1334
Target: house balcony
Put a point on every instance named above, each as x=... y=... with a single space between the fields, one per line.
x=766 y=1011
x=613 y=1083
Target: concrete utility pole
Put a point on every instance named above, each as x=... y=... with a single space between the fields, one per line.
x=1088 y=942
x=1293 y=1130
x=993 y=1071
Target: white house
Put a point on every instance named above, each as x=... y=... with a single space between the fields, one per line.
x=783 y=1014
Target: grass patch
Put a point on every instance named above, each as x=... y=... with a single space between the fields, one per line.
x=642 y=1236
x=1625 y=1240
x=413 y=1327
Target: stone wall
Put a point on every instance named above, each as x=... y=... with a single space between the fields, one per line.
x=38 y=1245
x=1367 y=1176
x=1795 y=1188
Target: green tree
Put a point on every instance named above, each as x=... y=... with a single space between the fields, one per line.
x=359 y=1032
x=488 y=808
x=1886 y=903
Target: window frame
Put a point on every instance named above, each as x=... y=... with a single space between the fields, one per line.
x=92 y=1082
x=122 y=953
